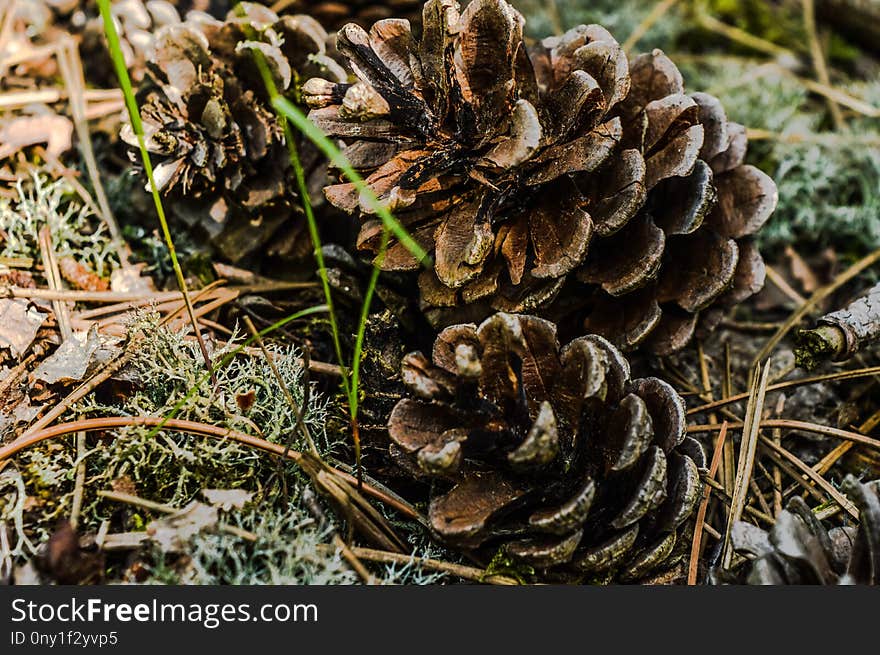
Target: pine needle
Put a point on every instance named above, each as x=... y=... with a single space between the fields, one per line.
x=746 y=461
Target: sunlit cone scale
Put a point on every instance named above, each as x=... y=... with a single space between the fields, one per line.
x=559 y=174
x=554 y=455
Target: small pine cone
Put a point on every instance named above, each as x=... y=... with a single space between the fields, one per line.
x=136 y=23
x=526 y=172
x=218 y=147
x=333 y=14
x=798 y=549
x=552 y=453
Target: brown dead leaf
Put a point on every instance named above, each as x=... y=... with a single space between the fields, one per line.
x=25 y=131
x=71 y=361
x=227 y=499
x=128 y=279
x=173 y=532
x=18 y=324
x=801 y=271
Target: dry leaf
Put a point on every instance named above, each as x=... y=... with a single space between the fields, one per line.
x=173 y=532
x=227 y=499
x=71 y=361
x=128 y=279
x=18 y=324
x=25 y=131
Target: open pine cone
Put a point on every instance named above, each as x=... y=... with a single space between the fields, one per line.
x=333 y=14
x=523 y=170
x=220 y=149
x=553 y=453
x=136 y=22
x=798 y=549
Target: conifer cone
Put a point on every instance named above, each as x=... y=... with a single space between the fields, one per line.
x=219 y=150
x=137 y=22
x=333 y=14
x=554 y=454
x=798 y=549
x=524 y=172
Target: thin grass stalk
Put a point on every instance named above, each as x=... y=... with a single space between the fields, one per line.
x=334 y=154
x=354 y=399
x=288 y=113
x=138 y=128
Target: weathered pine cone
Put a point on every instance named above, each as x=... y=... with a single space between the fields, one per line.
x=552 y=453
x=798 y=549
x=220 y=150
x=523 y=170
x=136 y=23
x=333 y=14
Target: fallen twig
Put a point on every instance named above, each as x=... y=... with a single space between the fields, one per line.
x=818 y=296
x=33 y=437
x=841 y=334
x=693 y=565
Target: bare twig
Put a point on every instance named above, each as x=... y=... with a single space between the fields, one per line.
x=33 y=437
x=841 y=334
x=693 y=565
x=818 y=296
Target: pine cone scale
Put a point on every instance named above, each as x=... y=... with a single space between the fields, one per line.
x=573 y=164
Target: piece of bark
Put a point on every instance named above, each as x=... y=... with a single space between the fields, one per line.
x=839 y=335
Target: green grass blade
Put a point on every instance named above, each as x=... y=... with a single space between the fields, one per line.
x=302 y=187
x=362 y=324
x=138 y=128
x=334 y=154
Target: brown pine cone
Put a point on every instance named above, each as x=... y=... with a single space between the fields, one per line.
x=552 y=453
x=798 y=549
x=333 y=14
x=523 y=170
x=219 y=150
x=137 y=21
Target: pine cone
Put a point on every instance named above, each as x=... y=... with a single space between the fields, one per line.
x=333 y=14
x=219 y=149
x=522 y=171
x=798 y=549
x=554 y=454
x=137 y=22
